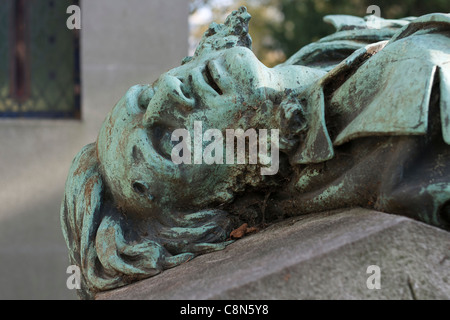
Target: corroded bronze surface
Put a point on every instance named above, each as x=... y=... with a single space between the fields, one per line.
x=363 y=120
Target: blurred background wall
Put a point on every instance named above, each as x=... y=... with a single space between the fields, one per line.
x=122 y=43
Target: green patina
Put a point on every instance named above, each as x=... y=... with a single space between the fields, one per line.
x=363 y=121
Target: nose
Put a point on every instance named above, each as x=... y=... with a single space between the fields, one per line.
x=172 y=96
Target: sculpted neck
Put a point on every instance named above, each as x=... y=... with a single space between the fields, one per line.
x=295 y=77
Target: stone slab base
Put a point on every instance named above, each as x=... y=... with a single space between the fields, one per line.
x=318 y=256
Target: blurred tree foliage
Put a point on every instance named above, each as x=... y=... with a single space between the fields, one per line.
x=279 y=28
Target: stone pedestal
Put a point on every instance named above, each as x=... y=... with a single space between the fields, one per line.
x=319 y=256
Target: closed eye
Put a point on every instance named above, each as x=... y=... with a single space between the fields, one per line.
x=207 y=75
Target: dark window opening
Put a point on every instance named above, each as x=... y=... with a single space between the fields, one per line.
x=19 y=79
x=39 y=60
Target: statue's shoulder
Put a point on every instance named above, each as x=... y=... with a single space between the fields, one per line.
x=383 y=88
x=396 y=82
x=353 y=33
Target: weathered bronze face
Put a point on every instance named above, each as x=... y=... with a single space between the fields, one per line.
x=224 y=89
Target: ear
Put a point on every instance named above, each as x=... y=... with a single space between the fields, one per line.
x=292 y=122
x=81 y=214
x=315 y=145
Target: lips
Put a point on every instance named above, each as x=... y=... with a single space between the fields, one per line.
x=171 y=107
x=161 y=139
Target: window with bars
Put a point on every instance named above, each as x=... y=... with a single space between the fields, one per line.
x=39 y=60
